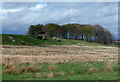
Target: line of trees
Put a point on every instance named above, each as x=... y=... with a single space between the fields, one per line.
x=75 y=31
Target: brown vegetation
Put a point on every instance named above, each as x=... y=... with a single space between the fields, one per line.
x=37 y=75
x=52 y=67
x=59 y=74
x=13 y=69
x=109 y=67
x=25 y=55
x=57 y=54
x=50 y=75
x=93 y=70
x=72 y=72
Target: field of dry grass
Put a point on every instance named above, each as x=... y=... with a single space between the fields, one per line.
x=58 y=54
x=24 y=55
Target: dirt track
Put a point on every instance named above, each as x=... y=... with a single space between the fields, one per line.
x=58 y=54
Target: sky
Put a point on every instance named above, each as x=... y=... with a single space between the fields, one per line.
x=18 y=16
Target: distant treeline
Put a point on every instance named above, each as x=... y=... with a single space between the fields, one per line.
x=75 y=31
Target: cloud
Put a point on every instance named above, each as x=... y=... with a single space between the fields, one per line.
x=10 y=10
x=19 y=16
x=116 y=32
x=38 y=6
x=12 y=5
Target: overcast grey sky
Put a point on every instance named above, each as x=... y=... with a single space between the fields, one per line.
x=18 y=16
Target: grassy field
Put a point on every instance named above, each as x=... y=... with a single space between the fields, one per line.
x=65 y=71
x=49 y=60
x=33 y=41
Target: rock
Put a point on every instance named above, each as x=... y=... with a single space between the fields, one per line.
x=22 y=42
x=42 y=36
x=13 y=40
x=56 y=39
x=11 y=36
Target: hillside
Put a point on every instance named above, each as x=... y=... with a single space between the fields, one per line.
x=65 y=60
x=33 y=41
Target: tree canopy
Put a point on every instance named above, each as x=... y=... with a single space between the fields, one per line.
x=75 y=31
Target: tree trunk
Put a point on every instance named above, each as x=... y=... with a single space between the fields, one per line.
x=75 y=37
x=95 y=38
x=82 y=37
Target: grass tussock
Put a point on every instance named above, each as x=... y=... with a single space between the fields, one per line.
x=37 y=75
x=53 y=74
x=12 y=70
x=72 y=72
x=93 y=70
x=59 y=74
x=52 y=67
x=45 y=75
x=108 y=67
x=58 y=62
x=8 y=65
x=30 y=69
x=50 y=75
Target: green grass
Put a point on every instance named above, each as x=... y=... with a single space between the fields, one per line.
x=33 y=41
x=80 y=72
x=0 y=72
x=80 y=68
